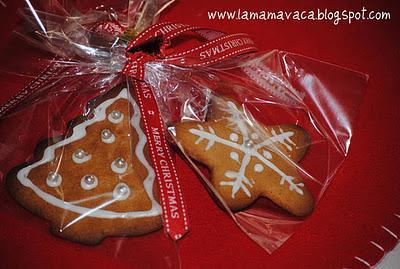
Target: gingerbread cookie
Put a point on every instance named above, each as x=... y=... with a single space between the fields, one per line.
x=97 y=181
x=249 y=160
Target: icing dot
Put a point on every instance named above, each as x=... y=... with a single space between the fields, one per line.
x=119 y=166
x=234 y=137
x=267 y=154
x=107 y=136
x=258 y=168
x=80 y=156
x=89 y=182
x=254 y=136
x=234 y=156
x=115 y=116
x=53 y=179
x=121 y=191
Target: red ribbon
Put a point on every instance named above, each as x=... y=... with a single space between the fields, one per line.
x=218 y=47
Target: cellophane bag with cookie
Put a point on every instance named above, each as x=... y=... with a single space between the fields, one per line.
x=266 y=131
x=74 y=158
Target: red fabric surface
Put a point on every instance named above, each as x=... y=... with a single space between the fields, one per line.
x=363 y=197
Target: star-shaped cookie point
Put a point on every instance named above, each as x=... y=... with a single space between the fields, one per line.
x=247 y=159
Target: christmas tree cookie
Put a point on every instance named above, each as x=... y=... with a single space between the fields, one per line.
x=97 y=181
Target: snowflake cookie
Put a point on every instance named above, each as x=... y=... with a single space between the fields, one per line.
x=248 y=160
x=96 y=181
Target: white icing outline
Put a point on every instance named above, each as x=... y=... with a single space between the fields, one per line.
x=113 y=120
x=79 y=131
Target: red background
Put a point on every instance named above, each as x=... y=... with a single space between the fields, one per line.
x=365 y=193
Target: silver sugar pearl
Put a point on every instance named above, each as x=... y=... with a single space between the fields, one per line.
x=122 y=190
x=116 y=114
x=80 y=153
x=120 y=163
x=90 y=179
x=248 y=143
x=106 y=134
x=53 y=177
x=89 y=182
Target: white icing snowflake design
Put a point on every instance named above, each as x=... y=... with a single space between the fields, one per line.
x=250 y=149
